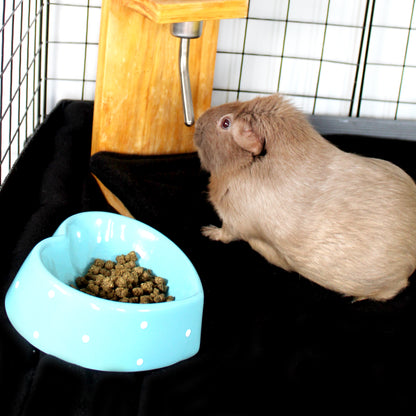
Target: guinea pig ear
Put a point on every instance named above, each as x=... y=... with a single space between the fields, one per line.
x=246 y=137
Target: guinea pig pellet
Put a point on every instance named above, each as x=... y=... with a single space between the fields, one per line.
x=123 y=281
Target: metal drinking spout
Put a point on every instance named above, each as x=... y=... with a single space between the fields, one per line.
x=186 y=31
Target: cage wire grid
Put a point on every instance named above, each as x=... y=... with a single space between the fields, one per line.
x=22 y=37
x=355 y=58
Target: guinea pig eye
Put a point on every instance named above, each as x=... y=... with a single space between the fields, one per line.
x=225 y=123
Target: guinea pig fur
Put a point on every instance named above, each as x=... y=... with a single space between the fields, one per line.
x=346 y=222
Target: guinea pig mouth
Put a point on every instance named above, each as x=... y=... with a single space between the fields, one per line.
x=197 y=139
x=198 y=136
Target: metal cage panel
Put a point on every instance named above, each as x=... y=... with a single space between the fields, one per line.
x=332 y=57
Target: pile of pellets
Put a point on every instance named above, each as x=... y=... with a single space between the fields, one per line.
x=123 y=281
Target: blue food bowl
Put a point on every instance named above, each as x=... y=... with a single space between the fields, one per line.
x=97 y=333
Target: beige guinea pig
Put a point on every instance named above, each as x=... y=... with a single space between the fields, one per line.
x=344 y=221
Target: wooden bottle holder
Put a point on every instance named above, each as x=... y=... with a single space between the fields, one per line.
x=138 y=103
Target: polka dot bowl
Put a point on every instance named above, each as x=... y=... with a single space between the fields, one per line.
x=102 y=334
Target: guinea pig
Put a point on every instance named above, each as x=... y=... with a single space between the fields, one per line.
x=344 y=221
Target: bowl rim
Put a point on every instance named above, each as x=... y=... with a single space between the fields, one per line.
x=61 y=234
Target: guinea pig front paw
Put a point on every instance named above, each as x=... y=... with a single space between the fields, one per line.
x=217 y=234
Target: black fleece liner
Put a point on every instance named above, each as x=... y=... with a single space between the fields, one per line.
x=272 y=342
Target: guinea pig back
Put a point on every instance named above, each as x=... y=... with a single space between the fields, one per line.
x=346 y=222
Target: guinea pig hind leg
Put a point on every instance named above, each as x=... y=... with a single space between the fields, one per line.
x=385 y=293
x=270 y=253
x=217 y=234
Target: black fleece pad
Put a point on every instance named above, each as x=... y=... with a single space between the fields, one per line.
x=272 y=342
